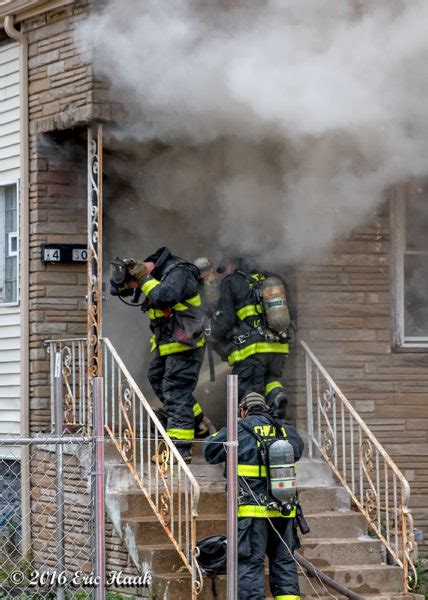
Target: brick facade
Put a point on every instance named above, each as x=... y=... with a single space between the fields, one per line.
x=61 y=97
x=345 y=314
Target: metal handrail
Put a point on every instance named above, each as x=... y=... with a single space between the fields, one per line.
x=371 y=477
x=168 y=484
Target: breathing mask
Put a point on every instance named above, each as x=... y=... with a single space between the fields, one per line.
x=120 y=276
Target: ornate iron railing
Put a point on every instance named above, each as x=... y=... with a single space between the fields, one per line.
x=156 y=466
x=68 y=358
x=377 y=487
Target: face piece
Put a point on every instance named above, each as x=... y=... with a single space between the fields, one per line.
x=118 y=272
x=120 y=276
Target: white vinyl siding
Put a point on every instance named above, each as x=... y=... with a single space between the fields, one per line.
x=9 y=175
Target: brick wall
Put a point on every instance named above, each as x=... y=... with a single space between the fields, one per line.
x=78 y=512
x=57 y=292
x=345 y=315
x=63 y=92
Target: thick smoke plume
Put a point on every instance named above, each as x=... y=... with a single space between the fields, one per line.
x=282 y=121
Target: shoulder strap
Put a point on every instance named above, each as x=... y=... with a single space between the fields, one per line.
x=277 y=426
x=252 y=432
x=261 y=442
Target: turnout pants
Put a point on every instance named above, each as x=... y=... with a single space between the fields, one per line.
x=256 y=539
x=261 y=373
x=173 y=378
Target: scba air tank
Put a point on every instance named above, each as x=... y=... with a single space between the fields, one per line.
x=275 y=305
x=282 y=471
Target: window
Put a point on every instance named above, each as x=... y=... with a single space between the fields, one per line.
x=411 y=264
x=9 y=244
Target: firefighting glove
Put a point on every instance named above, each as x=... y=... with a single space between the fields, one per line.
x=138 y=270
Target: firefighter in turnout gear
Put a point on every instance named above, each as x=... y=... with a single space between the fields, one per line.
x=256 y=354
x=173 y=304
x=265 y=526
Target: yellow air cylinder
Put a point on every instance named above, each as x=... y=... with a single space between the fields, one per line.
x=275 y=304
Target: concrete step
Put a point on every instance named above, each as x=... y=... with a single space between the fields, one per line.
x=328 y=552
x=340 y=525
x=311 y=473
x=337 y=525
x=368 y=580
x=147 y=530
x=162 y=558
x=383 y=596
x=132 y=503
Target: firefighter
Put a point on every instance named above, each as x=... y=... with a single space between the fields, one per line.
x=262 y=528
x=239 y=325
x=173 y=304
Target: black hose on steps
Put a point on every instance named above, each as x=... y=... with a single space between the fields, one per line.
x=328 y=581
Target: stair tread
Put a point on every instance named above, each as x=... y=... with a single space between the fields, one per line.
x=223 y=516
x=138 y=491
x=327 y=569
x=332 y=540
x=333 y=513
x=310 y=541
x=166 y=546
x=154 y=519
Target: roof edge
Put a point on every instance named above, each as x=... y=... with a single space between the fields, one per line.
x=25 y=9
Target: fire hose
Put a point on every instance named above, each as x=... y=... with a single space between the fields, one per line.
x=328 y=581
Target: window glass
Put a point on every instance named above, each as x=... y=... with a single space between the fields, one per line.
x=8 y=245
x=417 y=217
x=416 y=295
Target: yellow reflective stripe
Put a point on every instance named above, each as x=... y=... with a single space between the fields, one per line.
x=153 y=343
x=174 y=347
x=197 y=409
x=251 y=471
x=262 y=512
x=181 y=434
x=257 y=276
x=194 y=301
x=257 y=348
x=215 y=433
x=149 y=285
x=273 y=385
x=155 y=313
x=286 y=597
x=251 y=310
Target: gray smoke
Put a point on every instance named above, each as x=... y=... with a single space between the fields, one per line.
x=285 y=120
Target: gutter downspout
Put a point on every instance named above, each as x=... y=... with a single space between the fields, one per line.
x=24 y=206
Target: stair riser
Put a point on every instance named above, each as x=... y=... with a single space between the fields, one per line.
x=160 y=561
x=340 y=525
x=153 y=533
x=135 y=504
x=374 y=582
x=358 y=553
x=165 y=560
x=324 y=500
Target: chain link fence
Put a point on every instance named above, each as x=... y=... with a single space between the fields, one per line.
x=47 y=538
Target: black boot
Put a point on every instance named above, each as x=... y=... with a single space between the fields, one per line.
x=279 y=406
x=185 y=453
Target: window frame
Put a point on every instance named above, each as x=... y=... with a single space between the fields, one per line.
x=6 y=183
x=398 y=245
